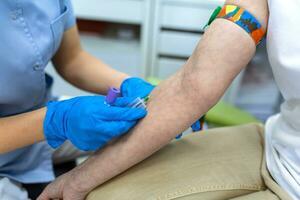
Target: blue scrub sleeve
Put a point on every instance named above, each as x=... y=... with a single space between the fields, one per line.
x=71 y=19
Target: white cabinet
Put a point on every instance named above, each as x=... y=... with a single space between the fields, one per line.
x=127 y=11
x=137 y=12
x=182 y=15
x=177 y=28
x=177 y=43
x=169 y=28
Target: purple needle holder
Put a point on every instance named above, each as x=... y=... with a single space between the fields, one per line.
x=112 y=95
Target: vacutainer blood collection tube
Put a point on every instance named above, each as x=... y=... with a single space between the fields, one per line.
x=112 y=95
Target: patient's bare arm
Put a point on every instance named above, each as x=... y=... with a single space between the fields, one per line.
x=179 y=101
x=223 y=52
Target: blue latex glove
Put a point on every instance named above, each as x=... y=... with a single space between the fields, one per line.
x=196 y=126
x=88 y=122
x=136 y=87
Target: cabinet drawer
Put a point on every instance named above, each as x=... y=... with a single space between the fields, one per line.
x=168 y=67
x=175 y=43
x=128 y=11
x=187 y=16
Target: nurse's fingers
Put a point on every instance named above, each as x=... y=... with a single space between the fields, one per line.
x=124 y=101
x=120 y=114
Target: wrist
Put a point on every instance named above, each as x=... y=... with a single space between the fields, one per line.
x=81 y=178
x=120 y=79
x=53 y=123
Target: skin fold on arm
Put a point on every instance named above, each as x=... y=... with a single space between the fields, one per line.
x=223 y=52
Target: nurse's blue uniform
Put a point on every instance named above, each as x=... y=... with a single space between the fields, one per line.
x=30 y=34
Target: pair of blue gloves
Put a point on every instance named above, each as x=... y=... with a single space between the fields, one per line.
x=89 y=122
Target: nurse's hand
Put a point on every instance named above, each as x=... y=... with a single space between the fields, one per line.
x=136 y=87
x=88 y=122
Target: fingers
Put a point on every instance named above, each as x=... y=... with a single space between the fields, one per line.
x=115 y=129
x=114 y=113
x=57 y=191
x=48 y=194
x=103 y=132
x=122 y=127
x=136 y=87
x=54 y=190
x=42 y=196
x=131 y=114
x=125 y=114
x=124 y=101
x=196 y=126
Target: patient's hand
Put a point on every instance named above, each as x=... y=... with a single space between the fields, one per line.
x=66 y=187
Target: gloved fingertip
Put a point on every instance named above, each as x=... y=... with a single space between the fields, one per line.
x=196 y=126
x=179 y=136
x=123 y=101
x=124 y=127
x=136 y=114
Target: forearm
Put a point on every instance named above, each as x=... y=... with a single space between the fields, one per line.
x=91 y=74
x=21 y=130
x=82 y=69
x=177 y=102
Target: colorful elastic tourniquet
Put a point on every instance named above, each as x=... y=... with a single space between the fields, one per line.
x=245 y=20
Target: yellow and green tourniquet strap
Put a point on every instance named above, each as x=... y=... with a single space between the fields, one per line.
x=245 y=20
x=242 y=18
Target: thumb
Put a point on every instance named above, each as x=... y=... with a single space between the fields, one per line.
x=124 y=101
x=44 y=196
x=50 y=193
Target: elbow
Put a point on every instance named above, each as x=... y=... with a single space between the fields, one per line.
x=201 y=89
